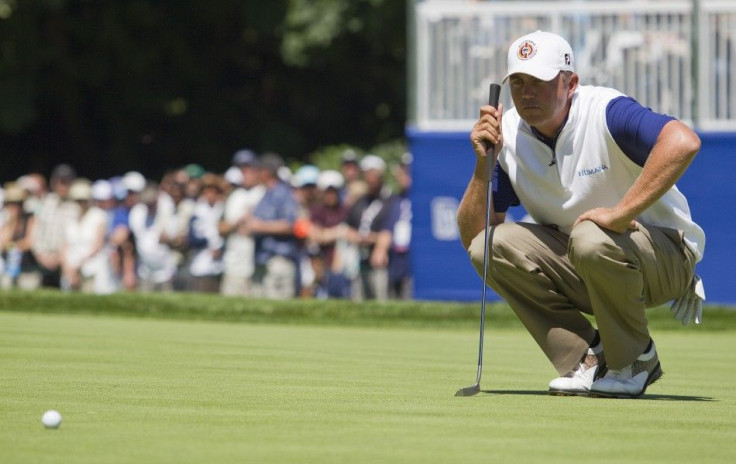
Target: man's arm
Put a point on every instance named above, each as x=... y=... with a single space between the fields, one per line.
x=675 y=148
x=471 y=214
x=275 y=227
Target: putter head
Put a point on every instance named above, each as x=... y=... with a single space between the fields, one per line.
x=468 y=391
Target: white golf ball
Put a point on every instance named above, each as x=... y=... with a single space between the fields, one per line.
x=51 y=419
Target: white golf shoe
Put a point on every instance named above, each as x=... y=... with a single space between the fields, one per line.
x=579 y=380
x=631 y=381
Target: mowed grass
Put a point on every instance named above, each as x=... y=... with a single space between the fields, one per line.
x=170 y=391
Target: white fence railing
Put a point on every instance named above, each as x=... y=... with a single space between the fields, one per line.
x=716 y=100
x=644 y=49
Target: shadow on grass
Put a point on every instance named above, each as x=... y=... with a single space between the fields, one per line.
x=517 y=392
x=677 y=398
x=645 y=397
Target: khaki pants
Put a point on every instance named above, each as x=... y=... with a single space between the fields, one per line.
x=550 y=279
x=277 y=280
x=371 y=284
x=232 y=285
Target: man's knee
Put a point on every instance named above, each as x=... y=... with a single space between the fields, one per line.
x=476 y=251
x=499 y=237
x=589 y=243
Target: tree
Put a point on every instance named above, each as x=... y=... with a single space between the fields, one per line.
x=155 y=84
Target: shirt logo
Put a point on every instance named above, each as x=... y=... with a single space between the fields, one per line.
x=527 y=49
x=590 y=172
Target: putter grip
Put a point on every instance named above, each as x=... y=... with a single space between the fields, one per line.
x=494 y=93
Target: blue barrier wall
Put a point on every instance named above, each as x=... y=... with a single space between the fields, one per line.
x=443 y=163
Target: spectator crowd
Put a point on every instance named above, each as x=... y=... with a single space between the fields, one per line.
x=256 y=230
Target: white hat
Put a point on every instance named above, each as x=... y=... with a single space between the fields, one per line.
x=29 y=183
x=540 y=54
x=101 y=190
x=372 y=162
x=134 y=181
x=13 y=193
x=305 y=175
x=330 y=179
x=80 y=190
x=284 y=174
x=234 y=175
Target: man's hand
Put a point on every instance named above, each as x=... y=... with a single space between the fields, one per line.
x=608 y=218
x=487 y=131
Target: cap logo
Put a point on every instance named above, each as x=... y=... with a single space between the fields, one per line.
x=527 y=49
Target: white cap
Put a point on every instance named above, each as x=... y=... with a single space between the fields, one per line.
x=330 y=179
x=540 y=54
x=284 y=174
x=134 y=181
x=101 y=190
x=80 y=190
x=234 y=175
x=29 y=183
x=305 y=175
x=370 y=162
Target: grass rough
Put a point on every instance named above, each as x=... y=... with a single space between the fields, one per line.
x=211 y=307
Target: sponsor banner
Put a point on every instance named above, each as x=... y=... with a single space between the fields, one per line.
x=444 y=162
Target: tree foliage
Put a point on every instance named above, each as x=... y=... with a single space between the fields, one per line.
x=154 y=84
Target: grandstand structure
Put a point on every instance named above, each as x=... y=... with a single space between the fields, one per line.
x=676 y=56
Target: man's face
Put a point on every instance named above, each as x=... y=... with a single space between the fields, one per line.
x=350 y=171
x=61 y=187
x=331 y=196
x=250 y=176
x=374 y=179
x=542 y=104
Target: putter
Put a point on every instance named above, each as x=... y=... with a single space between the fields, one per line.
x=494 y=93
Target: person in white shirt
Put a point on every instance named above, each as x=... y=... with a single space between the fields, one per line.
x=612 y=234
x=55 y=211
x=85 y=257
x=205 y=242
x=155 y=260
x=176 y=229
x=239 y=255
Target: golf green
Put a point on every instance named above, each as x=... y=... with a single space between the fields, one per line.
x=144 y=390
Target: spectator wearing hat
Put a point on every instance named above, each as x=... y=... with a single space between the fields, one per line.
x=354 y=186
x=194 y=174
x=239 y=256
x=156 y=263
x=103 y=197
x=205 y=242
x=54 y=214
x=234 y=178
x=19 y=268
x=272 y=226
x=398 y=233
x=366 y=220
x=304 y=182
x=132 y=184
x=85 y=257
x=175 y=233
x=332 y=265
x=34 y=184
x=306 y=194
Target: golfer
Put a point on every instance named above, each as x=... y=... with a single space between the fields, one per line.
x=612 y=234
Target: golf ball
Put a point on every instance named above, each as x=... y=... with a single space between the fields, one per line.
x=51 y=419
